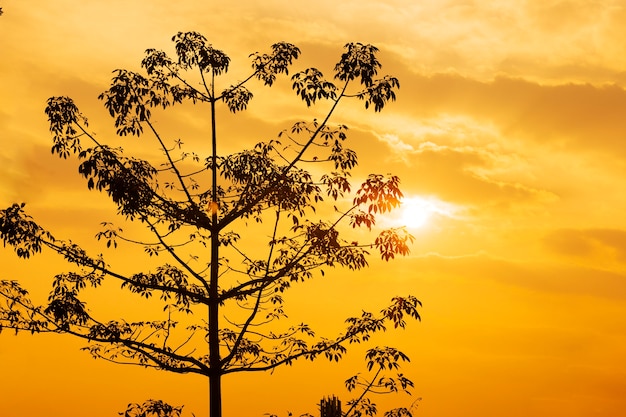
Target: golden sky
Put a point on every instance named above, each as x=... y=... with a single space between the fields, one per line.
x=509 y=132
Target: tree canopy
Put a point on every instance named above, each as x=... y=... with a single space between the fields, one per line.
x=204 y=215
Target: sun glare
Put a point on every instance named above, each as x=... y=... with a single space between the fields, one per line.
x=417 y=212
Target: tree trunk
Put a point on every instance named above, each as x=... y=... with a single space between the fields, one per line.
x=215 y=394
x=215 y=376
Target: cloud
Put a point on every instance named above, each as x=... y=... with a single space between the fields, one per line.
x=399 y=146
x=471 y=139
x=479 y=39
x=468 y=175
x=588 y=243
x=550 y=278
x=563 y=117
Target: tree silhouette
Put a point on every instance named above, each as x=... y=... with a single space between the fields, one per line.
x=195 y=210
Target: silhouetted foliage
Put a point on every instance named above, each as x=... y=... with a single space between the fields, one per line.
x=152 y=408
x=196 y=210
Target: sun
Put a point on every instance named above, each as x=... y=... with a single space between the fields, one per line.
x=421 y=212
x=415 y=212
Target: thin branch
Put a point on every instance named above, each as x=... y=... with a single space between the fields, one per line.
x=172 y=165
x=365 y=391
x=99 y=267
x=258 y=299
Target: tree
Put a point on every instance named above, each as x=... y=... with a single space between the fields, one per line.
x=194 y=209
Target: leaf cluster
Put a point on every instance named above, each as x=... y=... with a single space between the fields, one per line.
x=152 y=408
x=19 y=230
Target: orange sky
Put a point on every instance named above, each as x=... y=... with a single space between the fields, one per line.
x=509 y=128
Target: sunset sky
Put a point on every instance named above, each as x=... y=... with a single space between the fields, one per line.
x=509 y=135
